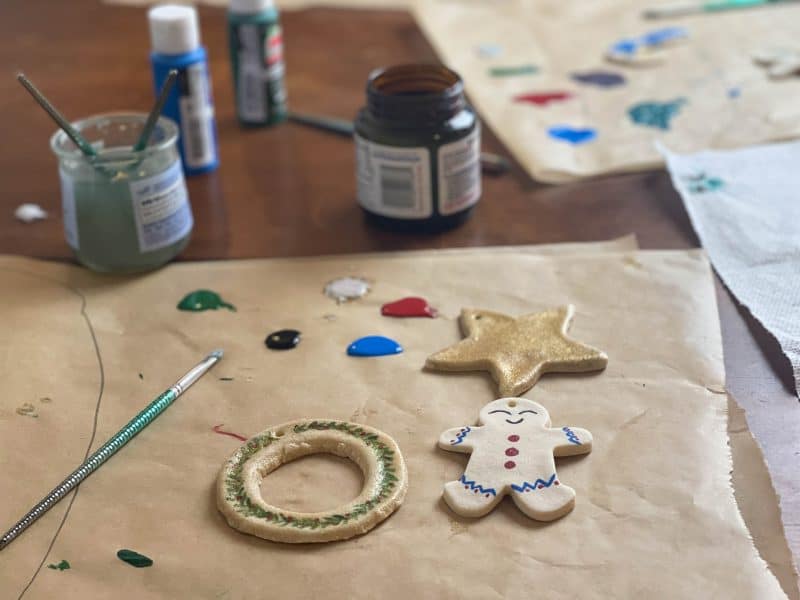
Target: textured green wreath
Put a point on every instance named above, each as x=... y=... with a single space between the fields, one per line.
x=235 y=492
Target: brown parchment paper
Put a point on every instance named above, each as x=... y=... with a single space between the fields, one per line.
x=561 y=37
x=655 y=511
x=288 y=4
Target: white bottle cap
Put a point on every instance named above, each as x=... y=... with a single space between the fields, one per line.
x=250 y=7
x=173 y=29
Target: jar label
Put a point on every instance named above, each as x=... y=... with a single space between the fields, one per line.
x=394 y=182
x=161 y=208
x=460 y=173
x=68 y=211
x=197 y=116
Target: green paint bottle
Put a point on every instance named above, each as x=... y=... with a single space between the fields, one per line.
x=256 y=44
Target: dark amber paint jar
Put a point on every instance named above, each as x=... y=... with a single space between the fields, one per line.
x=417 y=149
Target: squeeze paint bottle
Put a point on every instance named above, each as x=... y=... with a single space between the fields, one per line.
x=256 y=45
x=175 y=39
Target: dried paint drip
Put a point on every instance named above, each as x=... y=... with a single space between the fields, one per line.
x=226 y=378
x=345 y=289
x=543 y=98
x=134 y=558
x=201 y=300
x=27 y=410
x=285 y=339
x=734 y=93
x=513 y=71
x=62 y=566
x=604 y=79
x=218 y=429
x=374 y=345
x=646 y=49
x=28 y=213
x=408 y=307
x=490 y=50
x=573 y=135
x=656 y=114
x=701 y=183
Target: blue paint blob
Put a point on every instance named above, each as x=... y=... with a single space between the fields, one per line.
x=374 y=345
x=659 y=37
x=599 y=78
x=656 y=114
x=734 y=93
x=573 y=135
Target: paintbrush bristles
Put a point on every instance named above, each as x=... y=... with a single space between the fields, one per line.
x=65 y=125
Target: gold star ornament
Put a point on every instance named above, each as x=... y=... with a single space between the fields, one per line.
x=517 y=351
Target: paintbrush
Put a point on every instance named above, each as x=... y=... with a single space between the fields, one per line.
x=491 y=164
x=152 y=118
x=107 y=450
x=685 y=8
x=73 y=134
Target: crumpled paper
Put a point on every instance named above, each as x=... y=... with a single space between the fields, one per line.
x=744 y=206
x=655 y=511
x=730 y=100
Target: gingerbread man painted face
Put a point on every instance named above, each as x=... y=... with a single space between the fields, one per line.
x=512 y=452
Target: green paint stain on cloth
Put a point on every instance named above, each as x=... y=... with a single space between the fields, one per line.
x=134 y=558
x=203 y=300
x=62 y=566
x=513 y=71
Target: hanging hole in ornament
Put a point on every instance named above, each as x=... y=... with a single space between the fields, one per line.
x=512 y=403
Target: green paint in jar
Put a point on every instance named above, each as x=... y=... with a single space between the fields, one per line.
x=124 y=211
x=417 y=149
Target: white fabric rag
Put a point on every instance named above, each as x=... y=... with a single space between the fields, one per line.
x=745 y=207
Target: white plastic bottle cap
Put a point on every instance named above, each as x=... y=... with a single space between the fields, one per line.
x=173 y=29
x=250 y=7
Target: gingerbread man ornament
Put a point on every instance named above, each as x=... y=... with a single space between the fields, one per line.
x=513 y=449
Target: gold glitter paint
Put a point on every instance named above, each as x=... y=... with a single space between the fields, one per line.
x=517 y=351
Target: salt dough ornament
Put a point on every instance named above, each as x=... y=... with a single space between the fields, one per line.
x=385 y=481
x=512 y=451
x=517 y=351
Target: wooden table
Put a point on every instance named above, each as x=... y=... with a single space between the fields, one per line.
x=290 y=191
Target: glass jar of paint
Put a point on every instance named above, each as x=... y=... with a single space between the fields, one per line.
x=124 y=211
x=417 y=149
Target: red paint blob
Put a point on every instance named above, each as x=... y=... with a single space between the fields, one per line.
x=511 y=451
x=543 y=98
x=510 y=464
x=541 y=486
x=408 y=307
x=513 y=438
x=557 y=483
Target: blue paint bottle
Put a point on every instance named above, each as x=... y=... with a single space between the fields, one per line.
x=175 y=38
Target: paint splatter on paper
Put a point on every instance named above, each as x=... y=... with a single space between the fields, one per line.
x=28 y=213
x=218 y=429
x=573 y=135
x=490 y=50
x=134 y=558
x=734 y=93
x=646 y=49
x=27 y=410
x=656 y=114
x=543 y=98
x=605 y=79
x=200 y=300
x=284 y=339
x=226 y=378
x=513 y=71
x=701 y=183
x=345 y=289
x=62 y=566
x=374 y=345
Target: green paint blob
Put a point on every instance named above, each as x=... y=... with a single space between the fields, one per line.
x=513 y=71
x=62 y=566
x=656 y=114
x=134 y=558
x=200 y=300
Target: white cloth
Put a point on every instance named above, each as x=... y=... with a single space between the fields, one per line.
x=745 y=207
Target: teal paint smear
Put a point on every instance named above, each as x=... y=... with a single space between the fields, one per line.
x=701 y=183
x=62 y=566
x=513 y=71
x=200 y=300
x=134 y=558
x=656 y=114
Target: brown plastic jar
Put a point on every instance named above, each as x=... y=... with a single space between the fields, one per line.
x=417 y=149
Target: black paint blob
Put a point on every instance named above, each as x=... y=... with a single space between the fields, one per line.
x=285 y=339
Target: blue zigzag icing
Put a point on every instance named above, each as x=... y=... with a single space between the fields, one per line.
x=461 y=435
x=571 y=435
x=535 y=485
x=476 y=486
